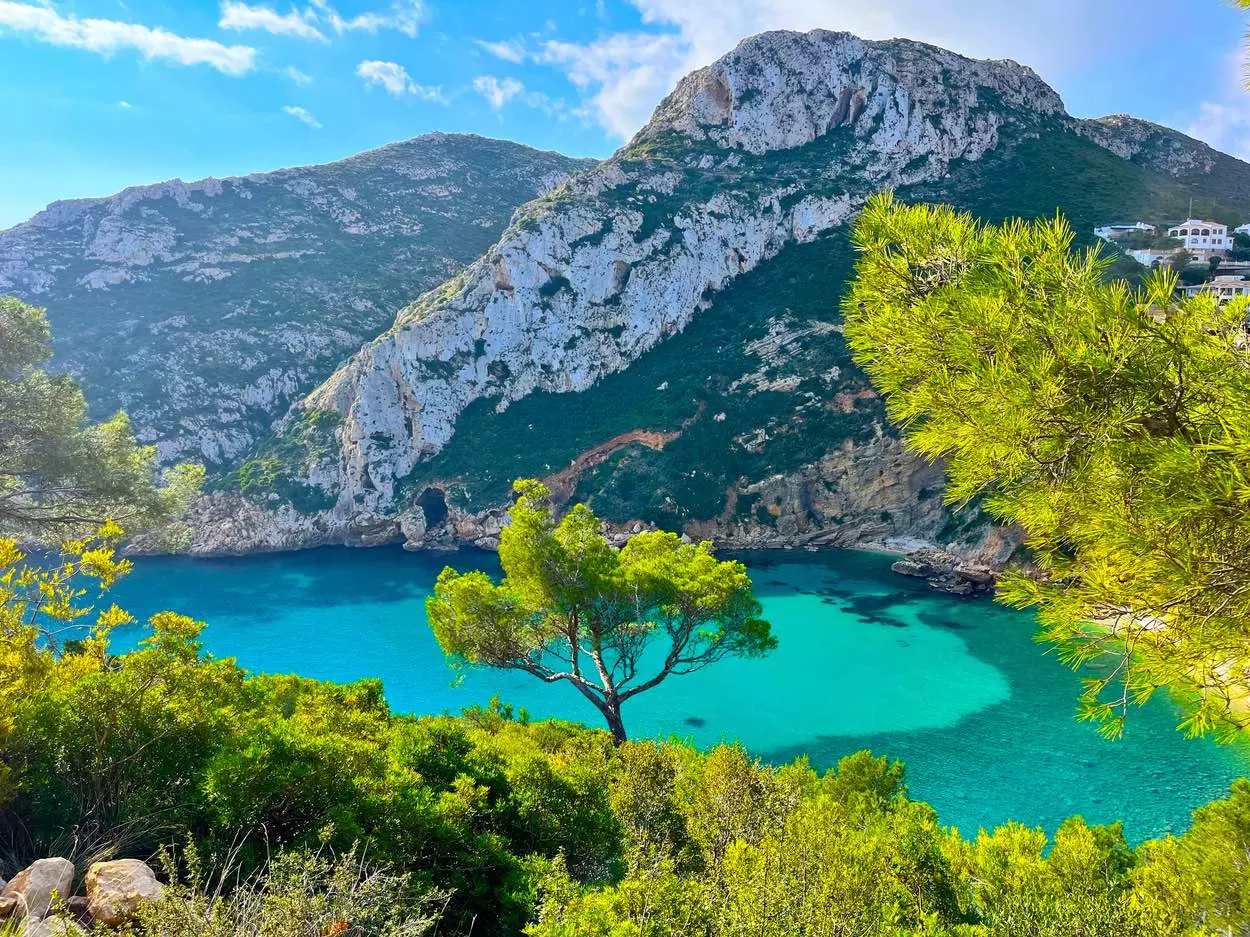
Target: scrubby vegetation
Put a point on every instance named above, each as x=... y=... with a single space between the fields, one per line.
x=286 y=806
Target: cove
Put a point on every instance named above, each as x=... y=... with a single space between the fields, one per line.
x=956 y=688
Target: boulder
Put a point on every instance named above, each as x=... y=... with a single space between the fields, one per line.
x=39 y=882
x=12 y=906
x=116 y=890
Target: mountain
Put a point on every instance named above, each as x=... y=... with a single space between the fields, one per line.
x=203 y=309
x=660 y=334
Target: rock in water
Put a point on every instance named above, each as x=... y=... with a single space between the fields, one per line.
x=39 y=883
x=116 y=890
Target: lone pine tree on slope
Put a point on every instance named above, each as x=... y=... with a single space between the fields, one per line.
x=611 y=622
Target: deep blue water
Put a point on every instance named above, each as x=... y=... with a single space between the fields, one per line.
x=956 y=688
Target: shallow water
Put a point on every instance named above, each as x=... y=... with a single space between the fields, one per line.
x=956 y=688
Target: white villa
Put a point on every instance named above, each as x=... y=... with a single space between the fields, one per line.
x=1224 y=288
x=1202 y=237
x=1242 y=229
x=1150 y=256
x=1111 y=231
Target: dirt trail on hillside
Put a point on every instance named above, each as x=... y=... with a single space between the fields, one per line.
x=563 y=482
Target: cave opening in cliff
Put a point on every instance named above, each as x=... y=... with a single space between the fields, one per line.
x=434 y=503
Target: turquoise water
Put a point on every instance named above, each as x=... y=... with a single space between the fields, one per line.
x=956 y=688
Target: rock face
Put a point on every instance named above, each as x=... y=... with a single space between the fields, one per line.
x=547 y=308
x=1159 y=148
x=116 y=890
x=660 y=334
x=39 y=883
x=203 y=309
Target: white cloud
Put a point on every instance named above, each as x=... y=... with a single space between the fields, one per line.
x=625 y=74
x=405 y=16
x=239 y=16
x=125 y=105
x=497 y=91
x=295 y=75
x=1224 y=123
x=1224 y=126
x=394 y=78
x=106 y=37
x=510 y=50
x=303 y=116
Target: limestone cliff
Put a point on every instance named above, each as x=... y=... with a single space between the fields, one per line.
x=661 y=332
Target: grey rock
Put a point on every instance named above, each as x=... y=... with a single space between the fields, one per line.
x=40 y=883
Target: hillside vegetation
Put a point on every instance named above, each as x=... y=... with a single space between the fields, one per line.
x=488 y=824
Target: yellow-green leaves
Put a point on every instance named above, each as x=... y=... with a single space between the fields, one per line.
x=1112 y=425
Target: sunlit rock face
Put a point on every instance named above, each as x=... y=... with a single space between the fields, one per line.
x=627 y=254
x=205 y=308
x=733 y=201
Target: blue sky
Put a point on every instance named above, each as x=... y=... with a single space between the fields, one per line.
x=100 y=94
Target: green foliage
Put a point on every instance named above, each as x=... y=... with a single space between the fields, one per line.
x=300 y=893
x=104 y=753
x=278 y=468
x=61 y=476
x=1113 y=425
x=573 y=608
x=307 y=809
x=722 y=846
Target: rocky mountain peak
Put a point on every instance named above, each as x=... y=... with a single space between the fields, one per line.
x=204 y=307
x=1153 y=145
x=785 y=89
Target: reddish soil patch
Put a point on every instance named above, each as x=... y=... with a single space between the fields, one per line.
x=563 y=482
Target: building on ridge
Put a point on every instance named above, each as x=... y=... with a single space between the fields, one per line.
x=1202 y=238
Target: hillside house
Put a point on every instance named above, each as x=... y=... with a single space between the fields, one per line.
x=1242 y=229
x=1224 y=288
x=1149 y=256
x=1202 y=238
x=1110 y=232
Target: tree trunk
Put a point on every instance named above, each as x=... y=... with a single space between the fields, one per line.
x=612 y=713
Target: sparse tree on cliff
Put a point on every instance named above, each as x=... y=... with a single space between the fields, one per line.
x=60 y=475
x=1113 y=425
x=613 y=623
